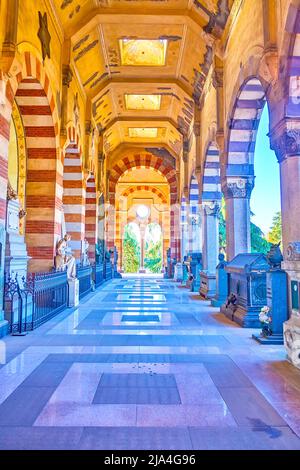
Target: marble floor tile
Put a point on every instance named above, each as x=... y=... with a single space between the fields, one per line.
x=103 y=376
x=135 y=438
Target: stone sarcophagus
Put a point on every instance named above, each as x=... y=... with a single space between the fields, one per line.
x=247 y=291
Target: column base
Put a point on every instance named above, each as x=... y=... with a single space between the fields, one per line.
x=217 y=303
x=291 y=330
x=207 y=285
x=271 y=340
x=4 y=328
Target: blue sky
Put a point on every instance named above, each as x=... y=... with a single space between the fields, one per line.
x=265 y=199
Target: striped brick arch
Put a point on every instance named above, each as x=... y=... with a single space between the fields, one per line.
x=211 y=185
x=74 y=197
x=243 y=129
x=157 y=192
x=31 y=90
x=143 y=161
x=91 y=225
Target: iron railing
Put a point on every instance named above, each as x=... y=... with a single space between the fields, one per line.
x=50 y=291
x=98 y=274
x=108 y=272
x=30 y=302
x=84 y=276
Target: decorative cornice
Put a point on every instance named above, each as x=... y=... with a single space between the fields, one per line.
x=88 y=127
x=241 y=188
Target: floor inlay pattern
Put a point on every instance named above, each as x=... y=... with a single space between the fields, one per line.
x=144 y=364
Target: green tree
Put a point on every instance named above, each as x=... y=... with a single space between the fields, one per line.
x=222 y=227
x=153 y=251
x=259 y=244
x=131 y=251
x=275 y=234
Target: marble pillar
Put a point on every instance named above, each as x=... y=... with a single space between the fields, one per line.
x=285 y=141
x=237 y=194
x=210 y=250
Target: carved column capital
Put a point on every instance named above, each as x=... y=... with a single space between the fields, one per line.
x=217 y=78
x=286 y=142
x=67 y=75
x=238 y=188
x=212 y=208
x=197 y=129
x=185 y=150
x=88 y=127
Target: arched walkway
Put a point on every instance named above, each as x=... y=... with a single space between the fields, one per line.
x=238 y=182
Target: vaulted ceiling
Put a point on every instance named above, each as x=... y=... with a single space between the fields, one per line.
x=143 y=63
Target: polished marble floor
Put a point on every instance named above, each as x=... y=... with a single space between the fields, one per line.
x=145 y=364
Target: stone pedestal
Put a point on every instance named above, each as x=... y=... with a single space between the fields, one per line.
x=16 y=258
x=292 y=340
x=210 y=250
x=73 y=299
x=221 y=283
x=2 y=352
x=195 y=268
x=207 y=285
x=277 y=300
x=178 y=272
x=185 y=276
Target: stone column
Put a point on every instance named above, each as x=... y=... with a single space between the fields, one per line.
x=285 y=141
x=237 y=193
x=210 y=249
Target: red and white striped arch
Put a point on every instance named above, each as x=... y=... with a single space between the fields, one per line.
x=30 y=87
x=143 y=160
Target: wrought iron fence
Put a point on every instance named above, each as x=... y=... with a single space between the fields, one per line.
x=84 y=275
x=108 y=272
x=98 y=275
x=31 y=301
x=50 y=291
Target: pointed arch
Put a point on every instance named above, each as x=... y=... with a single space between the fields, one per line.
x=29 y=86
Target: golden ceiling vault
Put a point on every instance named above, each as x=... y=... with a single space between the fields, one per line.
x=143 y=63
